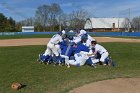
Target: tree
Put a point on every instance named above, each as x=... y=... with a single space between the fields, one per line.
x=11 y=24
x=28 y=22
x=7 y=24
x=78 y=18
x=18 y=27
x=54 y=14
x=63 y=20
x=136 y=23
x=42 y=16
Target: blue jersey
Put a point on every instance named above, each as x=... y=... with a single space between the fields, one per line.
x=68 y=50
x=81 y=47
x=63 y=44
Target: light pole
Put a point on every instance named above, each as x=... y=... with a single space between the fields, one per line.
x=119 y=23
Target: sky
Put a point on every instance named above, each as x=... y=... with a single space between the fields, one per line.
x=23 y=9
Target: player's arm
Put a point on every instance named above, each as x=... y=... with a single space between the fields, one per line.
x=91 y=54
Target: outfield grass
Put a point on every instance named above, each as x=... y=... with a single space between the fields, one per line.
x=18 y=64
x=129 y=37
x=49 y=36
x=25 y=36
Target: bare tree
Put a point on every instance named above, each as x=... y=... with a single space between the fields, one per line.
x=54 y=15
x=136 y=23
x=78 y=18
x=29 y=21
x=63 y=20
x=52 y=18
x=42 y=15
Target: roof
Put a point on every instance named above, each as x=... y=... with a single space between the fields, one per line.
x=105 y=23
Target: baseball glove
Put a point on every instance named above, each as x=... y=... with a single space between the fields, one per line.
x=16 y=86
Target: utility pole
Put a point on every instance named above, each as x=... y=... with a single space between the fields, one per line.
x=119 y=23
x=60 y=28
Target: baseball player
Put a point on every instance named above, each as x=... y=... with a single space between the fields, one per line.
x=101 y=50
x=67 y=51
x=86 y=39
x=80 y=59
x=80 y=56
x=53 y=48
x=88 y=42
x=80 y=32
x=96 y=58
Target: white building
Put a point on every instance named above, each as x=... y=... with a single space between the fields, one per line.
x=27 y=28
x=107 y=24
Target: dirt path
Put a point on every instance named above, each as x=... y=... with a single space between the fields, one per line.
x=120 y=85
x=24 y=42
x=43 y=41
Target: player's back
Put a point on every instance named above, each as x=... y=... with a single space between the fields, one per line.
x=81 y=47
x=56 y=39
x=100 y=48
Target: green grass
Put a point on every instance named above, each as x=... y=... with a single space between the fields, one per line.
x=18 y=64
x=129 y=37
x=49 y=36
x=25 y=36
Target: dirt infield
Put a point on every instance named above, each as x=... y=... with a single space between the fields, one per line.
x=43 y=41
x=121 y=85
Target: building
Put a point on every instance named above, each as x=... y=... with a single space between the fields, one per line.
x=27 y=28
x=107 y=24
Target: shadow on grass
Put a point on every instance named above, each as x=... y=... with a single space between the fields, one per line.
x=23 y=86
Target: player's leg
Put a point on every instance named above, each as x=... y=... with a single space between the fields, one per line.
x=62 y=60
x=47 y=56
x=103 y=57
x=56 y=55
x=44 y=56
x=73 y=62
x=67 y=61
x=91 y=63
x=58 y=48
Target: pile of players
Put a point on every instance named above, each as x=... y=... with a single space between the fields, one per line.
x=74 y=50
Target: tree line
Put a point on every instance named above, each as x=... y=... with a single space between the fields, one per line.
x=7 y=24
x=52 y=18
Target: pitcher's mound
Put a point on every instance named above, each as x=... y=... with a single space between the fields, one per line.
x=120 y=85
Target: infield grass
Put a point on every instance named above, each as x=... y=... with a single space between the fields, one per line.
x=18 y=64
